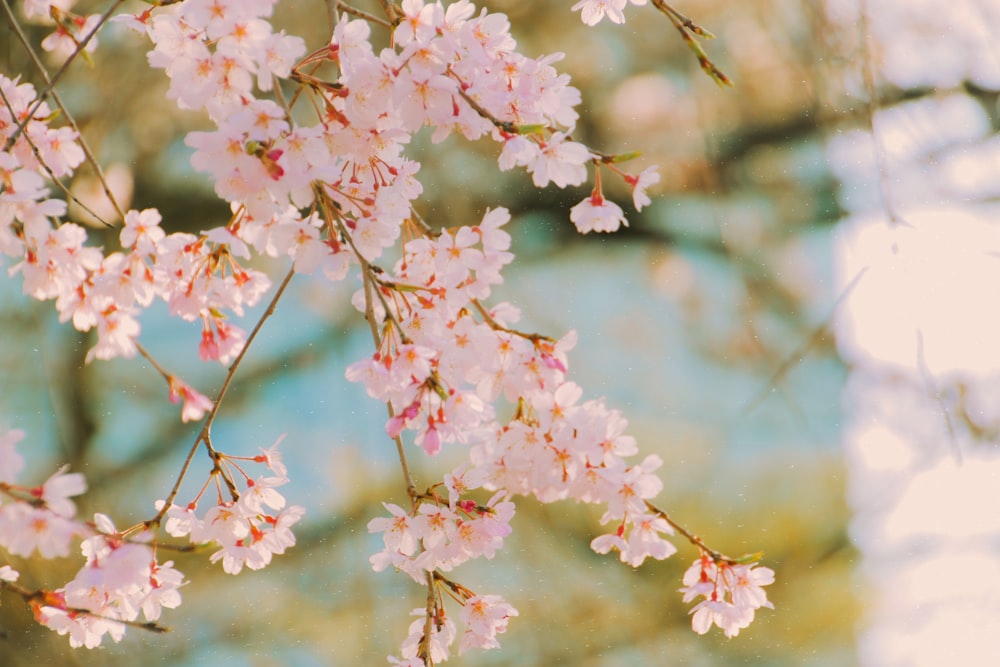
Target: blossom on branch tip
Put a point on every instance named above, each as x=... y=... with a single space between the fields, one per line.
x=559 y=160
x=195 y=404
x=484 y=616
x=647 y=177
x=597 y=214
x=732 y=592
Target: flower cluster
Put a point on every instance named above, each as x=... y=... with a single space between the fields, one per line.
x=732 y=593
x=329 y=195
x=121 y=577
x=484 y=617
x=120 y=580
x=42 y=519
x=248 y=530
x=438 y=366
x=440 y=538
x=198 y=276
x=435 y=538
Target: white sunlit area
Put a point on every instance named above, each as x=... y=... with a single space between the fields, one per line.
x=918 y=260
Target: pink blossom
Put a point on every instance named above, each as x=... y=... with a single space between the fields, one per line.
x=640 y=183
x=24 y=528
x=66 y=39
x=485 y=616
x=195 y=404
x=592 y=11
x=560 y=161
x=399 y=533
x=732 y=594
x=57 y=490
x=141 y=230
x=597 y=214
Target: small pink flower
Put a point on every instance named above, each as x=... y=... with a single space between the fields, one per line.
x=597 y=214
x=195 y=404
x=646 y=178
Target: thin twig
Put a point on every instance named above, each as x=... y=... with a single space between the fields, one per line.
x=204 y=436
x=390 y=9
x=52 y=177
x=42 y=598
x=332 y=15
x=496 y=326
x=149 y=357
x=796 y=356
x=354 y=11
x=935 y=392
x=717 y=556
x=688 y=29
x=868 y=75
x=367 y=271
x=411 y=487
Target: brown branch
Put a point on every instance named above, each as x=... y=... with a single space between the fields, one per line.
x=431 y=611
x=717 y=556
x=496 y=326
x=868 y=77
x=354 y=11
x=503 y=125
x=392 y=11
x=42 y=598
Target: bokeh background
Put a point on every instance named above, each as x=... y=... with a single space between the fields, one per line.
x=799 y=325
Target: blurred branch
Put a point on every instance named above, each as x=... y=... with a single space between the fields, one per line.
x=796 y=357
x=868 y=76
x=174 y=430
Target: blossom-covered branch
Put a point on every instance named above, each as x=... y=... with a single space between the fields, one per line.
x=321 y=178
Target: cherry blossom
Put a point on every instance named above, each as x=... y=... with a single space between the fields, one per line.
x=334 y=196
x=593 y=11
x=597 y=214
x=484 y=616
x=640 y=183
x=732 y=592
x=194 y=404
